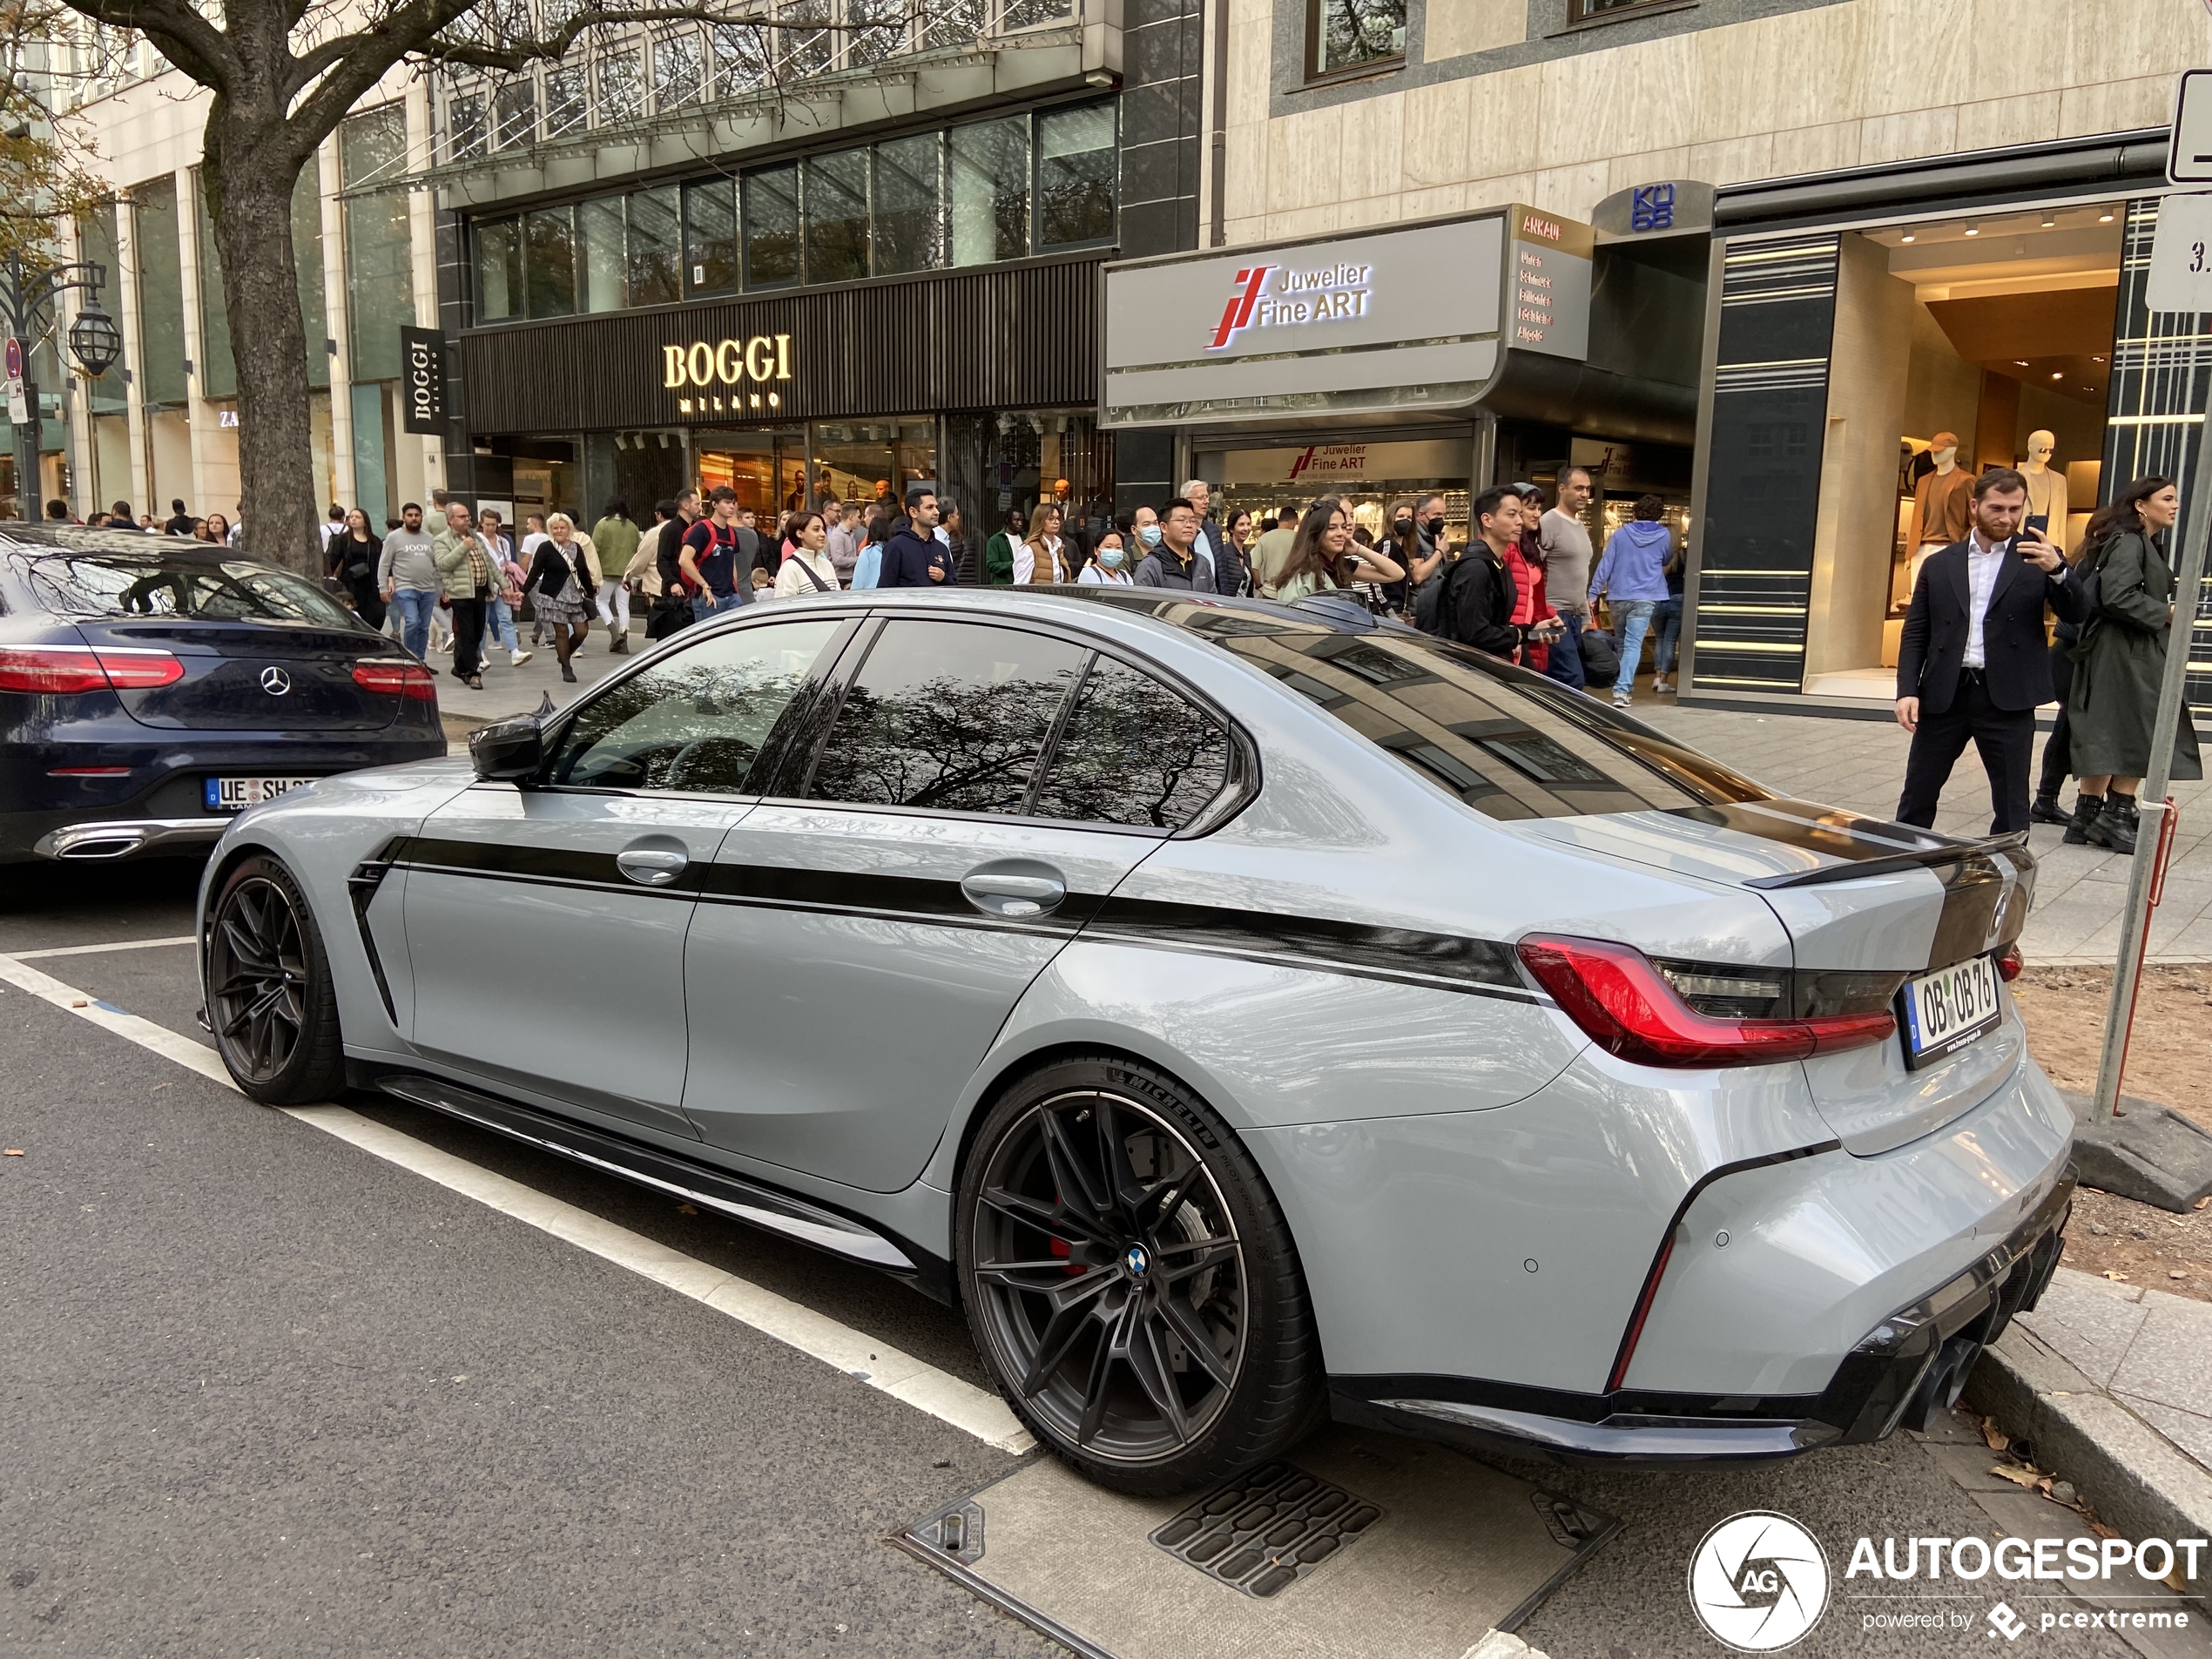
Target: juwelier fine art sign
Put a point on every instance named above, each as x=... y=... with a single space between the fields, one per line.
x=1401 y=320
x=727 y=376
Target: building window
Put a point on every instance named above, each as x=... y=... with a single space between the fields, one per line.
x=990 y=191
x=499 y=269
x=158 y=254
x=467 y=130
x=622 y=93
x=907 y=229
x=678 y=72
x=1600 y=10
x=515 y=115
x=599 y=254
x=879 y=32
x=771 y=228
x=836 y=217
x=567 y=101
x=1354 y=34
x=379 y=264
x=711 y=236
x=801 y=52
x=548 y=261
x=740 y=59
x=655 y=261
x=1075 y=163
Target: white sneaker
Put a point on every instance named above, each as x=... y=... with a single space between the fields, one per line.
x=1621 y=700
x=519 y=658
x=1658 y=688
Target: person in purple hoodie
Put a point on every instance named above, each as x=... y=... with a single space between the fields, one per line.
x=1632 y=578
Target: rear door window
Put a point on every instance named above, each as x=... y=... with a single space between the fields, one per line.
x=948 y=717
x=697 y=720
x=1507 y=743
x=1133 y=752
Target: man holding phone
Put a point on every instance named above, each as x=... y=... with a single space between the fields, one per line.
x=1972 y=662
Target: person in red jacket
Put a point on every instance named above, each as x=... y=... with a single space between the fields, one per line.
x=1532 y=611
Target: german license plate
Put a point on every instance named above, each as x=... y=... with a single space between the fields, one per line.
x=1949 y=1008
x=236 y=794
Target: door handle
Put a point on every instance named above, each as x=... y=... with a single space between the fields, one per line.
x=1012 y=894
x=651 y=866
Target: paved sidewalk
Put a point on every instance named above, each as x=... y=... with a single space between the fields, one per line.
x=2111 y=1384
x=1860 y=765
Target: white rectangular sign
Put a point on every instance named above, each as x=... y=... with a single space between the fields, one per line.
x=2189 y=152
x=2181 y=256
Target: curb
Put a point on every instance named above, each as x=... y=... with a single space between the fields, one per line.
x=2130 y=1474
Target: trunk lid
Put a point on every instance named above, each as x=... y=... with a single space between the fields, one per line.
x=252 y=676
x=1856 y=894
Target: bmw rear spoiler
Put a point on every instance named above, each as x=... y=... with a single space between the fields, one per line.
x=1947 y=851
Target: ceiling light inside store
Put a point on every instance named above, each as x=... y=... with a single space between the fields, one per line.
x=1973 y=230
x=1907 y=237
x=2058 y=373
x=2049 y=220
x=2096 y=360
x=2019 y=362
x=2105 y=218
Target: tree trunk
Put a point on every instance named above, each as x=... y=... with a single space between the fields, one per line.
x=249 y=167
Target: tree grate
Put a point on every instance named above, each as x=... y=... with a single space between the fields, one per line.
x=1263 y=1531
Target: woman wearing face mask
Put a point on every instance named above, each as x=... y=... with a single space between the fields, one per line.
x=806 y=568
x=1108 y=566
x=1039 y=561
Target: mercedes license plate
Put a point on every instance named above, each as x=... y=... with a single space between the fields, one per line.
x=236 y=794
x=1949 y=1008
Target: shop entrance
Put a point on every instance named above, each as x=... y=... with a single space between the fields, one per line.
x=1286 y=479
x=1960 y=345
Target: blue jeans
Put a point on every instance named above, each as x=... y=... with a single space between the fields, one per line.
x=1670 y=619
x=1633 y=618
x=1565 y=665
x=499 y=626
x=415 y=606
x=707 y=604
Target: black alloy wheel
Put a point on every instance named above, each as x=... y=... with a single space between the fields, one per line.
x=1130 y=1281
x=269 y=997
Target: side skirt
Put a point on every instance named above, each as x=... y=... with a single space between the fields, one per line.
x=717 y=1190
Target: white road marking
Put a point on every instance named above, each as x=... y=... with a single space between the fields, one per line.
x=855 y=1353
x=95 y=950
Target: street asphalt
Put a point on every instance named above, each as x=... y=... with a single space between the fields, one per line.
x=262 y=1393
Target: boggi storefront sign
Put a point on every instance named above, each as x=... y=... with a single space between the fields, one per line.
x=727 y=376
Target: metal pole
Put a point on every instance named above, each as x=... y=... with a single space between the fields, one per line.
x=2134 y=930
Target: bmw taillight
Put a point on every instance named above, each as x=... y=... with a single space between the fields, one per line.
x=396 y=677
x=1699 y=1015
x=69 y=670
x=2009 y=963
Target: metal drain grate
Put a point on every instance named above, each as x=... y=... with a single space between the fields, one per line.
x=1264 y=1531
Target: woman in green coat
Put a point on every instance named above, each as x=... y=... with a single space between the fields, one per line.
x=2113 y=705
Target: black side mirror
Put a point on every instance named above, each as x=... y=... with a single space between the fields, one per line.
x=508 y=751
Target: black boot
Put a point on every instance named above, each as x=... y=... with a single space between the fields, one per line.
x=2116 y=826
x=2086 y=808
x=2044 y=810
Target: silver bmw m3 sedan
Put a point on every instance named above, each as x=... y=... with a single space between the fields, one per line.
x=1245 y=1014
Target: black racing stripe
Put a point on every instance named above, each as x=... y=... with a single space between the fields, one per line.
x=865 y=894
x=1814 y=829
x=560 y=864
x=1449 y=961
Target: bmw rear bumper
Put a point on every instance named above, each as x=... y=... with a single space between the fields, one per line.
x=1910 y=1368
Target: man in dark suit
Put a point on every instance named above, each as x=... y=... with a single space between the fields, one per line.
x=1974 y=661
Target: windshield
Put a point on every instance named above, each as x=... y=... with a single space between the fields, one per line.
x=157 y=584
x=1508 y=742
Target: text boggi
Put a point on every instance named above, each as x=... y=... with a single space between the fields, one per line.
x=729 y=363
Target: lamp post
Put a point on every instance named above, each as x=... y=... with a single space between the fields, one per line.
x=94 y=340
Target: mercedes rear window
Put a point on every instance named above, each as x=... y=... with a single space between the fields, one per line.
x=157 y=584
x=1508 y=742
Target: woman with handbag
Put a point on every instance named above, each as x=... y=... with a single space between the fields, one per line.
x=2119 y=663
x=562 y=586
x=806 y=568
x=353 y=553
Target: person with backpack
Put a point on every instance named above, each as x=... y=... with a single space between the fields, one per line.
x=1970 y=662
x=709 y=559
x=2119 y=664
x=1475 y=598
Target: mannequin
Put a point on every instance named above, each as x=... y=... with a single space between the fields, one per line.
x=1941 y=501
x=2046 y=489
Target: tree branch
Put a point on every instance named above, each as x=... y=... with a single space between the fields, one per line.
x=185 y=38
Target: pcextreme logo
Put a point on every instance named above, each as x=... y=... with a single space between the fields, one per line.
x=1758 y=1582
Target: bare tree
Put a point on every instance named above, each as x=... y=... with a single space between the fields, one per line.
x=283 y=74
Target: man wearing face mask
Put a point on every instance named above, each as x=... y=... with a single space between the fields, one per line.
x=1174 y=560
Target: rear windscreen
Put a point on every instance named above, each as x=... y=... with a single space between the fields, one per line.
x=1508 y=742
x=121 y=584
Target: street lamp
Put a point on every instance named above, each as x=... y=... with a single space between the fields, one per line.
x=94 y=340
